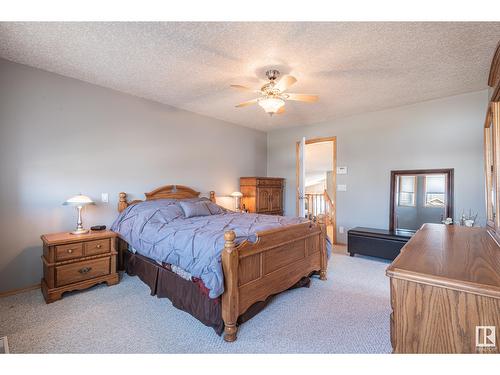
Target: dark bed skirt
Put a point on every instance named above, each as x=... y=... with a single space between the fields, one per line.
x=187 y=295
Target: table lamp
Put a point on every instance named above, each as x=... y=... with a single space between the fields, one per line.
x=237 y=196
x=79 y=201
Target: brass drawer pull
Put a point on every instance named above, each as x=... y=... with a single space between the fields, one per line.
x=70 y=251
x=98 y=246
x=85 y=270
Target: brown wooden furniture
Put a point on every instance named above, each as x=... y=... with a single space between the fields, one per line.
x=254 y=271
x=444 y=284
x=75 y=262
x=492 y=149
x=262 y=195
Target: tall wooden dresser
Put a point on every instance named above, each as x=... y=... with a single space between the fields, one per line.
x=262 y=195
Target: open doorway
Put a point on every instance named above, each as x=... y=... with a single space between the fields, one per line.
x=316 y=180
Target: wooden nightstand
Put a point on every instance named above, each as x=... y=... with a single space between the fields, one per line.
x=75 y=262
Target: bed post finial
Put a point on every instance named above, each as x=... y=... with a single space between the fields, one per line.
x=122 y=201
x=229 y=237
x=212 y=196
x=230 y=298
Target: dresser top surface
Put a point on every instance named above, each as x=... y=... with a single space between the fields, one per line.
x=262 y=178
x=451 y=256
x=67 y=237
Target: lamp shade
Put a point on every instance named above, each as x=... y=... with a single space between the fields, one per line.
x=78 y=200
x=237 y=194
x=271 y=105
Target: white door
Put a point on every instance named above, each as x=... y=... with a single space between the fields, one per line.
x=302 y=177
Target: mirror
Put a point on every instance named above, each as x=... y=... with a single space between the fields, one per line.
x=420 y=196
x=489 y=140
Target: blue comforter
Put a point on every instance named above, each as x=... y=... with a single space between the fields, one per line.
x=159 y=230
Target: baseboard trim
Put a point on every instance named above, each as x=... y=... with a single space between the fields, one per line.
x=20 y=290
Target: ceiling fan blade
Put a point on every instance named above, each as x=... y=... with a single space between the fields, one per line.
x=285 y=82
x=303 y=98
x=244 y=104
x=244 y=88
x=281 y=110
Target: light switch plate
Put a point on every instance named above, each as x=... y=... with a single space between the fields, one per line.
x=341 y=187
x=341 y=230
x=341 y=170
x=104 y=197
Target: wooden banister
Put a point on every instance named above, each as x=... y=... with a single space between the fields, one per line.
x=320 y=204
x=328 y=199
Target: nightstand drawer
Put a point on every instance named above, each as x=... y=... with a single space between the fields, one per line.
x=75 y=272
x=70 y=251
x=96 y=247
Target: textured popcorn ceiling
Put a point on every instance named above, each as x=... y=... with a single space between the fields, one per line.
x=353 y=67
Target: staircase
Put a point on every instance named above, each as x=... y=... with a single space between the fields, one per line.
x=320 y=204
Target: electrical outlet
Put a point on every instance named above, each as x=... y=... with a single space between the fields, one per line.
x=341 y=230
x=104 y=197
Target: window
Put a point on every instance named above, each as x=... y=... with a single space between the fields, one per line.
x=407 y=189
x=435 y=186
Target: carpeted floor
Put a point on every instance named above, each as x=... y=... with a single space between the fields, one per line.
x=349 y=313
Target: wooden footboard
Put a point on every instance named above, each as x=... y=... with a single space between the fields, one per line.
x=275 y=262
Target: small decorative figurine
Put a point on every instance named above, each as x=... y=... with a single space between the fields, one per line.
x=448 y=221
x=468 y=220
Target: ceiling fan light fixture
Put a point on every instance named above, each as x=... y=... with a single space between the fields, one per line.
x=272 y=94
x=271 y=105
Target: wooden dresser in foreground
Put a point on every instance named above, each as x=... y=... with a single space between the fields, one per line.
x=445 y=292
x=262 y=195
x=75 y=262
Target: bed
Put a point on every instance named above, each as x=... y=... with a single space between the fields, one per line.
x=249 y=257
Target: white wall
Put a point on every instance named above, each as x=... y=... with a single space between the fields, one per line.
x=443 y=133
x=317 y=188
x=60 y=136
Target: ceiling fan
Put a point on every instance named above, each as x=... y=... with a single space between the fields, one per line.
x=273 y=95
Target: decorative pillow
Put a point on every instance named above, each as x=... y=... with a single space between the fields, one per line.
x=193 y=209
x=215 y=209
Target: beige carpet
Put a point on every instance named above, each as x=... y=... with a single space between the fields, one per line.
x=349 y=313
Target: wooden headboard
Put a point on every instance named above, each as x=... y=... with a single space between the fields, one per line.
x=164 y=192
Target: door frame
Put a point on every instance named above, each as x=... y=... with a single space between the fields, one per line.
x=334 y=178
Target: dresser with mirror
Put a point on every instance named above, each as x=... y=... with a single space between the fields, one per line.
x=445 y=283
